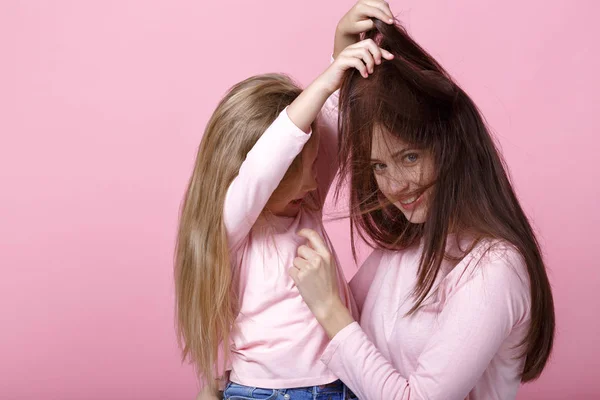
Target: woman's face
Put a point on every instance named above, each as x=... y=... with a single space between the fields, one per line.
x=401 y=171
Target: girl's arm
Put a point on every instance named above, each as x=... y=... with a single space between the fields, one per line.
x=267 y=162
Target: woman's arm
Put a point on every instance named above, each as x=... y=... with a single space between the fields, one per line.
x=477 y=317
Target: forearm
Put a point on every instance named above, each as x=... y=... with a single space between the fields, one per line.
x=343 y=40
x=304 y=110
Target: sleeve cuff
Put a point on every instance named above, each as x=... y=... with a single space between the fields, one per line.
x=338 y=340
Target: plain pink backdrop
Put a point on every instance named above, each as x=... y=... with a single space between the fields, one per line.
x=102 y=106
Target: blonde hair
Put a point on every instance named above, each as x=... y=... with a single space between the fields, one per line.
x=205 y=285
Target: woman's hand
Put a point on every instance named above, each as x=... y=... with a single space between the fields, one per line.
x=358 y=20
x=315 y=275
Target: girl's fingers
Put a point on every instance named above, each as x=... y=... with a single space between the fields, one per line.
x=372 y=47
x=353 y=62
x=376 y=50
x=386 y=54
x=367 y=58
x=364 y=56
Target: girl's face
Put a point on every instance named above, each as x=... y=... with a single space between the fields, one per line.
x=401 y=172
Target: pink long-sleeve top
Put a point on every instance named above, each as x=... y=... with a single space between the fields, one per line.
x=461 y=344
x=277 y=342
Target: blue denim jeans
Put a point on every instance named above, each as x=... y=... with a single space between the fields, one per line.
x=332 y=391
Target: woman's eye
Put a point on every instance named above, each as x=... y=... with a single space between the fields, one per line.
x=378 y=167
x=411 y=158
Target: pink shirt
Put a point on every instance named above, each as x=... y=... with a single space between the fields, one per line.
x=277 y=342
x=459 y=344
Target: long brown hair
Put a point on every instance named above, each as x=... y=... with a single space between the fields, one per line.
x=415 y=99
x=205 y=282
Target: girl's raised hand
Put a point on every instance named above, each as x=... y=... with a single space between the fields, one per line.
x=363 y=56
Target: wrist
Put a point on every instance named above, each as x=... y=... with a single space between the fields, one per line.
x=323 y=85
x=341 y=32
x=343 y=39
x=333 y=317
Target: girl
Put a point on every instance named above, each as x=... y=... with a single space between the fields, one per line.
x=262 y=173
x=455 y=300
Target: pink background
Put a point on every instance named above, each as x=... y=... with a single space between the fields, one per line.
x=102 y=106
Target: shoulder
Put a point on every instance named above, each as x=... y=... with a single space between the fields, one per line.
x=496 y=273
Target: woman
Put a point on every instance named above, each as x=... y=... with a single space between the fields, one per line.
x=455 y=301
